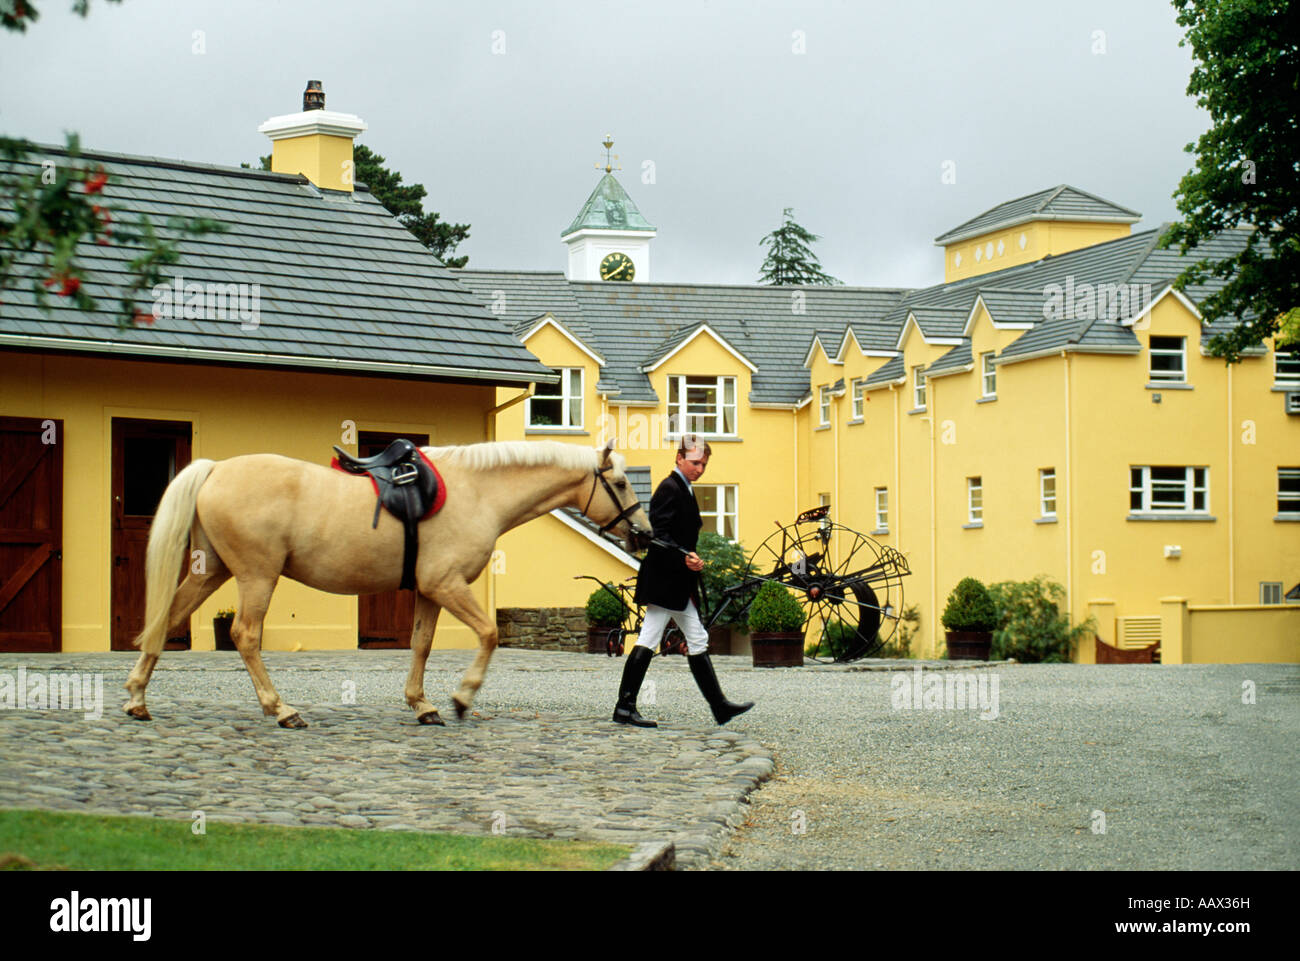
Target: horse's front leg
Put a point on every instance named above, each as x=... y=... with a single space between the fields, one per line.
x=457 y=597
x=426 y=619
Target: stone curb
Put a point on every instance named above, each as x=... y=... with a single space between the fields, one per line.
x=650 y=856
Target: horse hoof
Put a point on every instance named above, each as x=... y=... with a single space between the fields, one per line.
x=293 y=720
x=460 y=709
x=431 y=717
x=140 y=713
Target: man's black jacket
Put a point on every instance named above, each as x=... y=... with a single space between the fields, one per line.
x=664 y=578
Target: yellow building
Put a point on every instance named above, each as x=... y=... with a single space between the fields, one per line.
x=1049 y=409
x=316 y=319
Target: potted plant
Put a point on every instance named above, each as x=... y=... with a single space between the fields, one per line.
x=776 y=627
x=725 y=567
x=221 y=628
x=605 y=613
x=970 y=618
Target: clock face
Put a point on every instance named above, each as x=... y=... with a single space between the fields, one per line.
x=617 y=266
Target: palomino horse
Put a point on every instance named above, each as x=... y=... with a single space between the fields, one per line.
x=260 y=516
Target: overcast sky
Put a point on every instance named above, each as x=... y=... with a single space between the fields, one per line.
x=849 y=112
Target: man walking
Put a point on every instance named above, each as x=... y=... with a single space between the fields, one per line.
x=666 y=585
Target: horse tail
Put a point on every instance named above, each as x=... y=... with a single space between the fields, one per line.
x=169 y=536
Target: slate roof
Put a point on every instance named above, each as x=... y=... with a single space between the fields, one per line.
x=608 y=208
x=343 y=287
x=1061 y=202
x=956 y=359
x=631 y=325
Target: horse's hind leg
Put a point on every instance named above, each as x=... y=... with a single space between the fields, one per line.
x=459 y=599
x=196 y=589
x=246 y=633
x=426 y=619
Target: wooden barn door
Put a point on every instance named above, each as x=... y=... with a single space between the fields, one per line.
x=147 y=454
x=385 y=620
x=31 y=534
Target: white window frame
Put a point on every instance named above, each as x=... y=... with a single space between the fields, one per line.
x=989 y=374
x=1288 y=379
x=1167 y=376
x=1044 y=510
x=882 y=509
x=975 y=500
x=680 y=418
x=918 y=387
x=858 y=391
x=1140 y=483
x=728 y=495
x=1269 y=590
x=566 y=398
x=1288 y=493
x=824 y=407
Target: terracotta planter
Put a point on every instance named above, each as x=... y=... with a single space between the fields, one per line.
x=221 y=627
x=773 y=649
x=598 y=639
x=969 y=645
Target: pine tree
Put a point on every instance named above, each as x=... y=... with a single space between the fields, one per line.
x=790 y=260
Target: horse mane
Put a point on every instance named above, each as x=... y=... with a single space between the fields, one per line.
x=517 y=453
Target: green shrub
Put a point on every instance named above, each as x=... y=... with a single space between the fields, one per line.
x=605 y=608
x=1031 y=625
x=725 y=566
x=970 y=608
x=775 y=610
x=837 y=637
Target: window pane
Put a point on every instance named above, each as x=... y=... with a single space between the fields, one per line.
x=575 y=382
x=546 y=412
x=575 y=412
x=706 y=498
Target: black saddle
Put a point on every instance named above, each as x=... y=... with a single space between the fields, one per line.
x=407 y=486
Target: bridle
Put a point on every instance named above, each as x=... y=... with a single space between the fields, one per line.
x=624 y=514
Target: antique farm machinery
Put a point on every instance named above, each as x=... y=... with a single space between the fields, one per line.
x=849 y=585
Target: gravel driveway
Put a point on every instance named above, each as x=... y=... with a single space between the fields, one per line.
x=1083 y=767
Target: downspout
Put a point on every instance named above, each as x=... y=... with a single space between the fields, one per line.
x=490 y=428
x=898 y=491
x=1069 y=497
x=931 y=404
x=1232 y=554
x=835 y=465
x=794 y=435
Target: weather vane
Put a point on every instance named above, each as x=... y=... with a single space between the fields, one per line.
x=608 y=144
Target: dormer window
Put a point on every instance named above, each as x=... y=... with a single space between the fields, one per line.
x=1168 y=360
x=825 y=407
x=557 y=406
x=702 y=405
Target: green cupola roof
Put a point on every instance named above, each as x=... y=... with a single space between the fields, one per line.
x=608 y=208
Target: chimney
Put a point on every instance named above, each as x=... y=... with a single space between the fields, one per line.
x=316 y=143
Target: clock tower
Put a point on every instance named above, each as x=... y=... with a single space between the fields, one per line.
x=609 y=240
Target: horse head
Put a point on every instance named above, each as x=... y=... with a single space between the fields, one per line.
x=619 y=504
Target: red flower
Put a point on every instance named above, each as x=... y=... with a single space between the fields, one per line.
x=95 y=184
x=49 y=281
x=142 y=317
x=70 y=286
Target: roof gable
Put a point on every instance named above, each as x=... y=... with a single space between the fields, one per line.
x=679 y=342
x=550 y=320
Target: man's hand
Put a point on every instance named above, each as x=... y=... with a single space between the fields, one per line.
x=694 y=562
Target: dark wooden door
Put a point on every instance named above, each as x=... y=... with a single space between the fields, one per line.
x=147 y=454
x=31 y=534
x=385 y=620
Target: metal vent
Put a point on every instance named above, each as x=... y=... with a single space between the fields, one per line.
x=1137 y=632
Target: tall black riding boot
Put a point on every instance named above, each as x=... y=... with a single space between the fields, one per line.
x=723 y=710
x=633 y=674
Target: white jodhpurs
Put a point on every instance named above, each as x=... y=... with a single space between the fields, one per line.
x=656 y=619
